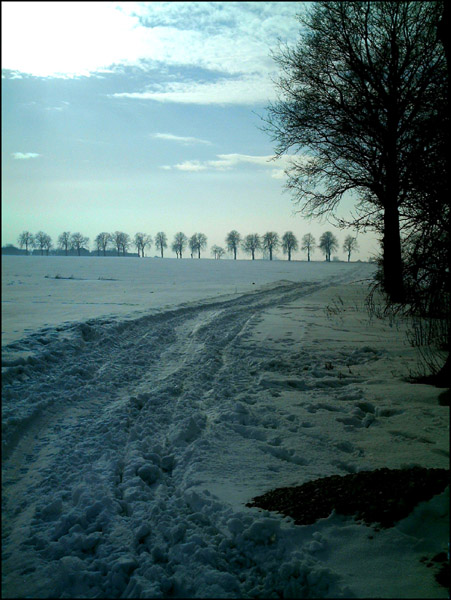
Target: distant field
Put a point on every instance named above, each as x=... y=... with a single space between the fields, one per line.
x=49 y=290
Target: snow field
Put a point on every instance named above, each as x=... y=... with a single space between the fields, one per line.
x=131 y=447
x=53 y=291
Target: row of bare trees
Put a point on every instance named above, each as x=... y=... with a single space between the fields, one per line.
x=77 y=242
x=249 y=244
x=43 y=242
x=270 y=242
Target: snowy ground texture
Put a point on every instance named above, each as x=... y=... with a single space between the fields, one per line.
x=136 y=428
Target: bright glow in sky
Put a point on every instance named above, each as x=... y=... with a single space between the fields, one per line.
x=145 y=116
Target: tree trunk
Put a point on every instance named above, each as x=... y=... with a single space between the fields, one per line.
x=392 y=258
x=392 y=261
x=443 y=29
x=443 y=378
x=289 y=254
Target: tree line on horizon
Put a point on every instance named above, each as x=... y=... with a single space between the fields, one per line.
x=250 y=244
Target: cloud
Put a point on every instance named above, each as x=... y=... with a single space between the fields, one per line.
x=191 y=165
x=24 y=155
x=63 y=106
x=44 y=38
x=278 y=174
x=243 y=90
x=225 y=162
x=68 y=39
x=179 y=138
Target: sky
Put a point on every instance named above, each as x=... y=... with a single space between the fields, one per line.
x=147 y=117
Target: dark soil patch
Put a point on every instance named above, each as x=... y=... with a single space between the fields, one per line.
x=381 y=497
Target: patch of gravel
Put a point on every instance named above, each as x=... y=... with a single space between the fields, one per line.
x=381 y=497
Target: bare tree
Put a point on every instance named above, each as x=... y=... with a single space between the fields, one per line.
x=125 y=243
x=359 y=94
x=328 y=243
x=270 y=242
x=137 y=241
x=141 y=240
x=198 y=242
x=41 y=241
x=26 y=239
x=179 y=244
x=289 y=243
x=350 y=245
x=161 y=241
x=118 y=238
x=48 y=244
x=175 y=248
x=64 y=241
x=251 y=244
x=233 y=240
x=308 y=244
x=217 y=251
x=102 y=241
x=147 y=243
x=78 y=241
x=192 y=244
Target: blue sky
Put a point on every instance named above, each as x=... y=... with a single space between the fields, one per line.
x=145 y=116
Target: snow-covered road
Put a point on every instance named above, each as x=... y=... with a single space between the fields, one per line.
x=131 y=447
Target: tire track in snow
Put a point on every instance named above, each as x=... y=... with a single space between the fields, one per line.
x=96 y=471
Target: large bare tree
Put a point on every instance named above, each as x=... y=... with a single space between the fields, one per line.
x=357 y=95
